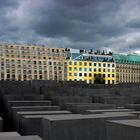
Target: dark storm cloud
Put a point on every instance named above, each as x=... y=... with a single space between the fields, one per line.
x=8 y=3
x=78 y=20
x=111 y=24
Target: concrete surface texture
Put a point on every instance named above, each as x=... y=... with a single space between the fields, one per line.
x=80 y=108
x=21 y=138
x=79 y=127
x=9 y=134
x=25 y=121
x=123 y=130
x=106 y=110
x=1 y=124
x=35 y=108
x=30 y=103
x=32 y=125
x=60 y=110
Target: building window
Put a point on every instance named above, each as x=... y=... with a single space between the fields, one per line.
x=8 y=75
x=90 y=69
x=13 y=76
x=80 y=74
x=75 y=63
x=70 y=63
x=70 y=74
x=85 y=74
x=104 y=65
x=113 y=82
x=40 y=76
x=90 y=74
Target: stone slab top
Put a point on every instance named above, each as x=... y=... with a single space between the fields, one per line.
x=133 y=123
x=110 y=110
x=9 y=134
x=0 y=119
x=94 y=105
x=85 y=103
x=128 y=112
x=133 y=104
x=42 y=112
x=67 y=103
x=87 y=116
x=26 y=101
x=39 y=116
x=16 y=107
x=21 y=138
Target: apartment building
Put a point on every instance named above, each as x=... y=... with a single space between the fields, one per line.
x=95 y=69
x=36 y=62
x=29 y=62
x=127 y=68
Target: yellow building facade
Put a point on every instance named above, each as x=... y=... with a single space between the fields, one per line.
x=91 y=71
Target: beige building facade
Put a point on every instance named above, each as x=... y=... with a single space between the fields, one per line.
x=31 y=62
x=127 y=68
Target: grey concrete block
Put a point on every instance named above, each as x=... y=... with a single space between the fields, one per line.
x=18 y=122
x=123 y=130
x=35 y=108
x=133 y=106
x=21 y=138
x=106 y=110
x=61 y=100
x=43 y=112
x=30 y=103
x=9 y=134
x=80 y=108
x=112 y=99
x=78 y=127
x=32 y=124
x=1 y=124
x=30 y=108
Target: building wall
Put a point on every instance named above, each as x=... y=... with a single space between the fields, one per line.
x=127 y=73
x=28 y=62
x=89 y=71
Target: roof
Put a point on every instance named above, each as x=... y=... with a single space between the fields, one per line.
x=91 y=57
x=126 y=59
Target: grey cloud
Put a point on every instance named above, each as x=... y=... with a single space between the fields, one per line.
x=72 y=23
x=76 y=23
x=8 y=3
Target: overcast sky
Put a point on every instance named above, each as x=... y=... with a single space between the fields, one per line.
x=105 y=24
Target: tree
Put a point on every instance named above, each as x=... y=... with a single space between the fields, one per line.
x=99 y=79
